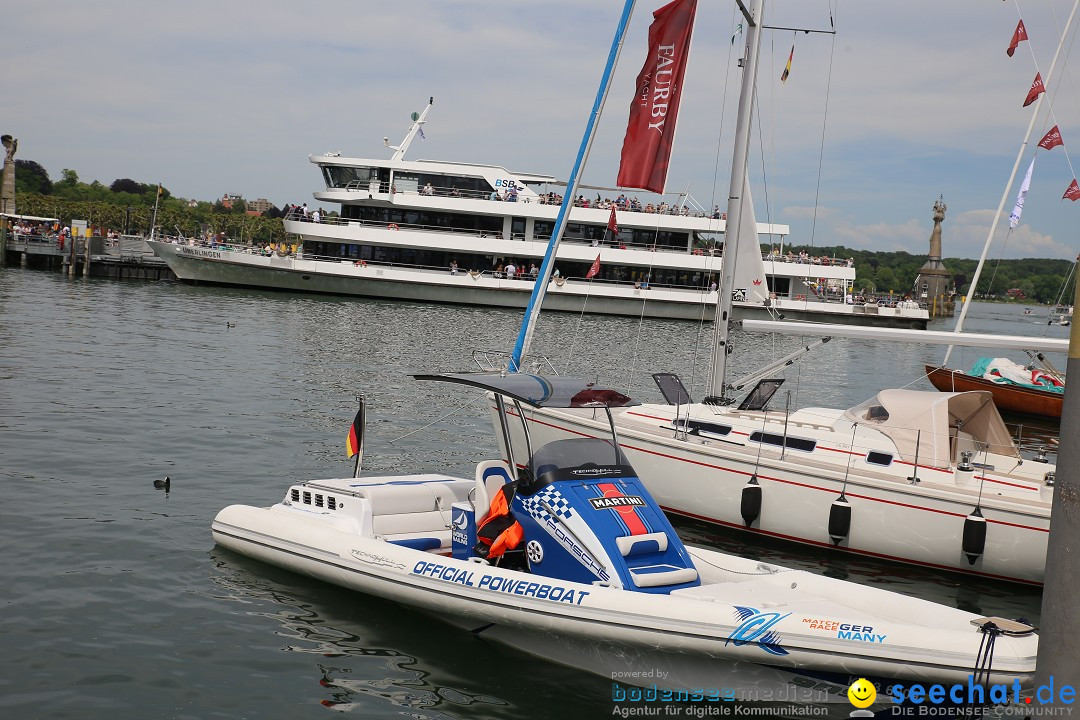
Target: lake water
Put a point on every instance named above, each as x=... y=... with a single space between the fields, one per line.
x=117 y=602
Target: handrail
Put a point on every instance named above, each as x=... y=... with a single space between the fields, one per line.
x=622 y=203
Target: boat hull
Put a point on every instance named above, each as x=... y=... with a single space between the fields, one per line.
x=1010 y=398
x=226 y=267
x=891 y=518
x=662 y=630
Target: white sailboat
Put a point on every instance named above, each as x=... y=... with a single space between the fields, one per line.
x=918 y=477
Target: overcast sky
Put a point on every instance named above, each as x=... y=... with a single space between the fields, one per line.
x=907 y=101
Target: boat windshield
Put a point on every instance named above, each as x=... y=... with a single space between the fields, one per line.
x=579 y=459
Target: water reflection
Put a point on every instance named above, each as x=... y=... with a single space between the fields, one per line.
x=356 y=642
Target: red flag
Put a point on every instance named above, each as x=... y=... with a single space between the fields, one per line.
x=1019 y=35
x=787 y=68
x=650 y=130
x=1073 y=193
x=352 y=445
x=611 y=224
x=594 y=269
x=1052 y=139
x=1037 y=88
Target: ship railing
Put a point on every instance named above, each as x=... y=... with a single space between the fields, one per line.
x=639 y=283
x=688 y=207
x=495 y=360
x=497 y=235
x=823 y=260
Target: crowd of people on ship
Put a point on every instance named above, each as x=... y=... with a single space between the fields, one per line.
x=513 y=194
x=303 y=214
x=624 y=203
x=804 y=257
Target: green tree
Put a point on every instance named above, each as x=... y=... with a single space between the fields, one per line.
x=31 y=178
x=127 y=185
x=68 y=178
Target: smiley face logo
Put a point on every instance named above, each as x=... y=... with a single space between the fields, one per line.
x=862 y=693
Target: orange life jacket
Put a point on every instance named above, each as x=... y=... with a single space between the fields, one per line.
x=499 y=531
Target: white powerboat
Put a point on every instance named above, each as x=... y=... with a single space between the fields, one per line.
x=600 y=579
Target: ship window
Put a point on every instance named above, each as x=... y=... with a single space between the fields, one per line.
x=405 y=183
x=307 y=498
x=695 y=427
x=295 y=495
x=877 y=413
x=338 y=176
x=318 y=500
x=879 y=458
x=331 y=502
x=792 y=442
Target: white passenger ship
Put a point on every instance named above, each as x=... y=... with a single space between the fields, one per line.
x=447 y=232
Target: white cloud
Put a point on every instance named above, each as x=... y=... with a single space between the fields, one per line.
x=905 y=103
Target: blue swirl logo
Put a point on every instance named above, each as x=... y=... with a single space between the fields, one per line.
x=756 y=627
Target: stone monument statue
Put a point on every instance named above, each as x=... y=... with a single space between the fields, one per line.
x=7 y=183
x=932 y=286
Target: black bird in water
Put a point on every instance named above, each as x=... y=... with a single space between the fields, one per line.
x=163 y=484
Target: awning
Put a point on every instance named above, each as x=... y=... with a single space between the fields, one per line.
x=31 y=218
x=931 y=419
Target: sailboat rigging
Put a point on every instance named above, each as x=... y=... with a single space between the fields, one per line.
x=547 y=266
x=906 y=475
x=1030 y=398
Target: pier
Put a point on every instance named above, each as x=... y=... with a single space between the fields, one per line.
x=125 y=258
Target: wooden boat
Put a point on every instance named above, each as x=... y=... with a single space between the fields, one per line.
x=1010 y=398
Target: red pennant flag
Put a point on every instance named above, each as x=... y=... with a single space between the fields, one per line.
x=1037 y=88
x=594 y=269
x=352 y=445
x=1052 y=139
x=611 y=224
x=1019 y=35
x=650 y=130
x=1073 y=193
x=787 y=68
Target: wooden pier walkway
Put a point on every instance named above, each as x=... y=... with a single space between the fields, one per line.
x=126 y=257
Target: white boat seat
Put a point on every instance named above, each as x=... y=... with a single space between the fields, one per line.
x=398 y=497
x=657 y=575
x=629 y=545
x=395 y=499
x=491 y=475
x=410 y=522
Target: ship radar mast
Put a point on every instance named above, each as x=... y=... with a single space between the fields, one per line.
x=418 y=120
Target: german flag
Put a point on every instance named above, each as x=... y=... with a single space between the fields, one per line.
x=352 y=445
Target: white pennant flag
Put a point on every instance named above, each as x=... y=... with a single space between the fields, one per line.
x=1014 y=219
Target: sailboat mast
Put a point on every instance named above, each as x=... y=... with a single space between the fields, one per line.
x=736 y=196
x=1008 y=186
x=528 y=324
